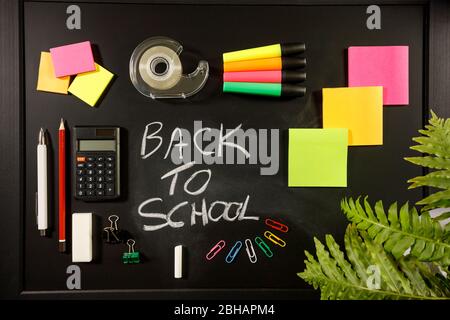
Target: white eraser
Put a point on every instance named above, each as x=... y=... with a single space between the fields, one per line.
x=178 y=262
x=82 y=237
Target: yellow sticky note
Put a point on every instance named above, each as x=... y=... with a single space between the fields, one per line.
x=46 y=78
x=89 y=86
x=360 y=109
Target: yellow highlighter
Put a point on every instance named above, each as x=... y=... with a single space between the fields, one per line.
x=271 y=51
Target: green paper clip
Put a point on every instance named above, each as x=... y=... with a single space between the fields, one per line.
x=131 y=256
x=264 y=247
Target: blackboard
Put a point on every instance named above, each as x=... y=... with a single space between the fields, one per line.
x=206 y=31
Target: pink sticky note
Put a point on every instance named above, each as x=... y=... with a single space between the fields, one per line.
x=385 y=66
x=72 y=59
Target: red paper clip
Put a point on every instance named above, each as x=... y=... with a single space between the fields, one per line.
x=215 y=250
x=277 y=225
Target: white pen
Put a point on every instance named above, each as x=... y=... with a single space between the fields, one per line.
x=42 y=200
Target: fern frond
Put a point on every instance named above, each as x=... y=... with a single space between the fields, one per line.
x=399 y=230
x=442 y=216
x=340 y=279
x=435 y=144
x=430 y=162
x=438 y=197
x=436 y=179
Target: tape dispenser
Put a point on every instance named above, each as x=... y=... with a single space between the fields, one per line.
x=156 y=70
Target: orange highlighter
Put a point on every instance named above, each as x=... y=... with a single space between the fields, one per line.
x=277 y=63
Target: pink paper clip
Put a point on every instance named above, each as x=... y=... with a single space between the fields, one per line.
x=277 y=225
x=215 y=250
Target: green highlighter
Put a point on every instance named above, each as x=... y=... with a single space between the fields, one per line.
x=265 y=89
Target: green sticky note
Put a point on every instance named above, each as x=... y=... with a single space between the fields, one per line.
x=317 y=157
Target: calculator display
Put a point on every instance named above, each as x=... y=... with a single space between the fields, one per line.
x=97 y=145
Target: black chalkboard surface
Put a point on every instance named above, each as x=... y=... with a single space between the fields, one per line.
x=206 y=31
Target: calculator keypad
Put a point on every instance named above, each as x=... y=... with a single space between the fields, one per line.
x=95 y=176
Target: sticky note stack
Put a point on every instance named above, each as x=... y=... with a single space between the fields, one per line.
x=270 y=70
x=377 y=76
x=56 y=68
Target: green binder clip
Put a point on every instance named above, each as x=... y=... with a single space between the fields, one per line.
x=131 y=256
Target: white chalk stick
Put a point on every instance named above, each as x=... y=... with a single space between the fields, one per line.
x=178 y=261
x=82 y=237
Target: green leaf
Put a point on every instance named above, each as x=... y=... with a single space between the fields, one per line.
x=405 y=218
x=444 y=203
x=430 y=162
x=436 y=197
x=394 y=279
x=400 y=230
x=401 y=246
x=433 y=181
x=393 y=217
x=380 y=213
x=412 y=272
x=418 y=248
x=442 y=216
x=339 y=279
x=434 y=144
x=329 y=265
x=356 y=252
x=340 y=260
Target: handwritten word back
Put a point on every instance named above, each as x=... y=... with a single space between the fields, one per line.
x=250 y=146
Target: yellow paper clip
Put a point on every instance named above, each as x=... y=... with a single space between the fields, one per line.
x=275 y=239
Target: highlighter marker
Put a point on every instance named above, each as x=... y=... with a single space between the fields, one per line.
x=272 y=51
x=278 y=63
x=273 y=76
x=265 y=89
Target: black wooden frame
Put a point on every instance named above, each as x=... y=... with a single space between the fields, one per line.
x=436 y=96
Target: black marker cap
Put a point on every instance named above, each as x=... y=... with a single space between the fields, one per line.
x=292 y=63
x=292 y=76
x=289 y=49
x=62 y=246
x=291 y=90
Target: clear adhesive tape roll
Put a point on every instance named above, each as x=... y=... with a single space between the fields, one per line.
x=160 y=67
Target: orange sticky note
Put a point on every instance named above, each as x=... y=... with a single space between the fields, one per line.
x=46 y=78
x=359 y=109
